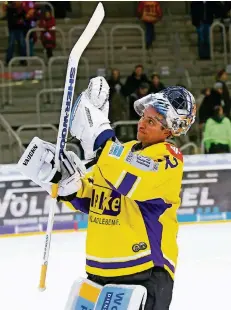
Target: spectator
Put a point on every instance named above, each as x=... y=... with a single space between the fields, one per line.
x=30 y=23
x=118 y=110
x=207 y=106
x=134 y=80
x=48 y=37
x=150 y=13
x=222 y=77
x=115 y=84
x=15 y=16
x=139 y=93
x=205 y=92
x=202 y=13
x=217 y=132
x=156 y=84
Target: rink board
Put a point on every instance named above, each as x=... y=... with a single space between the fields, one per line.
x=206 y=197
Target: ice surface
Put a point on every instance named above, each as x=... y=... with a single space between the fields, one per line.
x=203 y=277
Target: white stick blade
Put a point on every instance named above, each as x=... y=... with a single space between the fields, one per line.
x=89 y=31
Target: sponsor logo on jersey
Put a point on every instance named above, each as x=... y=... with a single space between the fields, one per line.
x=103 y=221
x=141 y=162
x=116 y=150
x=30 y=155
x=105 y=202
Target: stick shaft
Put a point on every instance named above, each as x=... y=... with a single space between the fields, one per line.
x=68 y=94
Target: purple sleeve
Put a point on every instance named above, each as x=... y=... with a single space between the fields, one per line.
x=81 y=204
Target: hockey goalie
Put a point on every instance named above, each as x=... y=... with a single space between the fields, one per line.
x=131 y=196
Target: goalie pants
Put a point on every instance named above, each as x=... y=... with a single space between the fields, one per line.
x=157 y=281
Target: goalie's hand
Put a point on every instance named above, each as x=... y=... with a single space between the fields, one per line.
x=38 y=164
x=97 y=93
x=90 y=126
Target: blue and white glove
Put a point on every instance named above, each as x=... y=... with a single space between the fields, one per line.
x=37 y=163
x=89 y=121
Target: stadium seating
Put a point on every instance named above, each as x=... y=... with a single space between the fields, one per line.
x=174 y=56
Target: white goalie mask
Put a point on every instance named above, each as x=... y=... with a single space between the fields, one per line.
x=98 y=91
x=175 y=103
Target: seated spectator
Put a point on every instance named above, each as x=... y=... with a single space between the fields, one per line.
x=139 y=93
x=150 y=13
x=217 y=133
x=156 y=84
x=118 y=109
x=222 y=77
x=115 y=84
x=134 y=80
x=48 y=37
x=15 y=16
x=209 y=102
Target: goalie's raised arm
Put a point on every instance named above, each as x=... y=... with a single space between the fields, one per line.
x=89 y=117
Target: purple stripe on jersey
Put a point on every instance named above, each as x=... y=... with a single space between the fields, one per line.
x=151 y=210
x=117 y=265
x=81 y=204
x=127 y=183
x=170 y=266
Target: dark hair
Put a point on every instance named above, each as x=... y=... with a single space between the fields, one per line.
x=203 y=91
x=144 y=85
x=139 y=66
x=155 y=74
x=115 y=69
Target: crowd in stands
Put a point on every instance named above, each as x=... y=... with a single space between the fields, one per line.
x=213 y=121
x=214 y=107
x=214 y=114
x=22 y=16
x=136 y=86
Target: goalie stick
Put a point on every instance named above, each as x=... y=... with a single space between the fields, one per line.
x=69 y=87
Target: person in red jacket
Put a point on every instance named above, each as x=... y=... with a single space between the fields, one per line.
x=48 y=36
x=150 y=13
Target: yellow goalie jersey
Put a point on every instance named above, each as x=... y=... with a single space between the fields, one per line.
x=132 y=197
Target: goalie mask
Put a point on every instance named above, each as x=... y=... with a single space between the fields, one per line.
x=175 y=103
x=98 y=91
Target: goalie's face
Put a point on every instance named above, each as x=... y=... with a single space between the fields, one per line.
x=152 y=128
